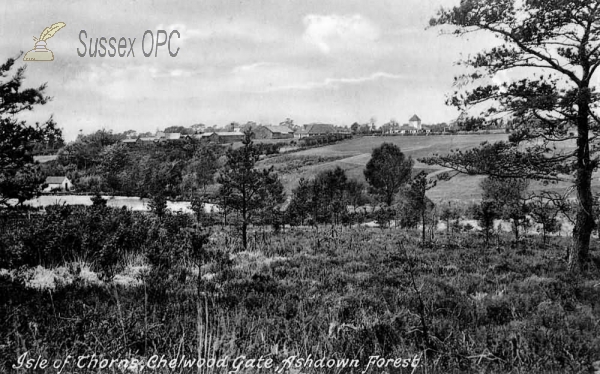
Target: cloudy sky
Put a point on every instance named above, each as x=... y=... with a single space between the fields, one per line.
x=261 y=60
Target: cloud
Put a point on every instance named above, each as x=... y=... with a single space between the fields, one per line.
x=334 y=82
x=226 y=29
x=130 y=82
x=346 y=32
x=254 y=67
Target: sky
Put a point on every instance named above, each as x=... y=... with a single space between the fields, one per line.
x=327 y=61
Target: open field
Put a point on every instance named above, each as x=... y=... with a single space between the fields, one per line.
x=454 y=307
x=353 y=155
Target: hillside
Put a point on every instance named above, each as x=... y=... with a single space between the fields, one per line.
x=353 y=155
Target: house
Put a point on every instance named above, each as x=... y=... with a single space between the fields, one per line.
x=170 y=137
x=407 y=129
x=273 y=132
x=300 y=134
x=230 y=136
x=129 y=141
x=426 y=128
x=57 y=184
x=315 y=129
x=146 y=141
x=211 y=137
x=415 y=122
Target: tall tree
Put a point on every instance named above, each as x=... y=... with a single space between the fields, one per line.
x=19 y=176
x=418 y=200
x=246 y=189
x=387 y=171
x=509 y=200
x=113 y=161
x=557 y=43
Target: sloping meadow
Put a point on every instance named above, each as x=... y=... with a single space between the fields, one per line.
x=343 y=293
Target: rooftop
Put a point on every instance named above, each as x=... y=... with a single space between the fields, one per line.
x=55 y=180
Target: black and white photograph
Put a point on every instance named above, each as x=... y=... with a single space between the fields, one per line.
x=300 y=186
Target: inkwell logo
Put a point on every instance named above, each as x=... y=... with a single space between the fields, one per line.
x=40 y=52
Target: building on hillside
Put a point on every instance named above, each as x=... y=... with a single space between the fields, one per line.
x=415 y=122
x=273 y=132
x=146 y=141
x=230 y=136
x=211 y=137
x=407 y=129
x=57 y=184
x=130 y=142
x=170 y=137
x=426 y=128
x=315 y=129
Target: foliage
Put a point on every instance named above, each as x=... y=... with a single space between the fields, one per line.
x=20 y=178
x=317 y=140
x=325 y=199
x=486 y=212
x=247 y=190
x=450 y=214
x=158 y=205
x=353 y=295
x=175 y=169
x=418 y=200
x=98 y=200
x=558 y=42
x=544 y=209
x=509 y=200
x=387 y=171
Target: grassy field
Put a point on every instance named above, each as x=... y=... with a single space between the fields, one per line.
x=353 y=155
x=453 y=307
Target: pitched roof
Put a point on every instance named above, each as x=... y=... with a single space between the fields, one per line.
x=279 y=129
x=414 y=118
x=319 y=128
x=230 y=133
x=55 y=180
x=205 y=135
x=407 y=127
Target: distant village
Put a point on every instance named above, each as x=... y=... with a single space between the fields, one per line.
x=306 y=135
x=234 y=132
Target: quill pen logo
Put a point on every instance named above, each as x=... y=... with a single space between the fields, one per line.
x=40 y=52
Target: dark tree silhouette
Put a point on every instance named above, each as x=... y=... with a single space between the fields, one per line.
x=558 y=43
x=418 y=200
x=19 y=175
x=246 y=189
x=508 y=198
x=387 y=171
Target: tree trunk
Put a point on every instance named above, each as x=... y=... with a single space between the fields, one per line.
x=423 y=223
x=584 y=225
x=245 y=235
